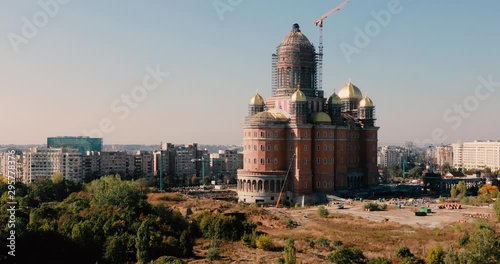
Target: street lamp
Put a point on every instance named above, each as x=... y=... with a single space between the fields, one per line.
x=202 y=167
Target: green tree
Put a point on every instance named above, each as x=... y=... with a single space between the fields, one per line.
x=57 y=177
x=118 y=248
x=462 y=189
x=496 y=207
x=395 y=171
x=148 y=242
x=435 y=255
x=346 y=255
x=416 y=172
x=453 y=192
x=446 y=167
x=194 y=180
x=290 y=252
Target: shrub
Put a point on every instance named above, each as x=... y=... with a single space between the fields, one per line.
x=322 y=211
x=337 y=243
x=375 y=206
x=497 y=208
x=290 y=223
x=289 y=254
x=323 y=242
x=213 y=252
x=346 y=255
x=435 y=255
x=264 y=242
x=297 y=205
x=404 y=252
x=168 y=260
x=249 y=239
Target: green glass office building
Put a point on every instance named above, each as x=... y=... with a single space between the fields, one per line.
x=83 y=144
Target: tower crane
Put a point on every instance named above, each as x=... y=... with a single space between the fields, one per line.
x=319 y=23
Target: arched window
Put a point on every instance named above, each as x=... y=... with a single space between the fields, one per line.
x=318 y=147
x=325 y=134
x=261 y=133
x=305 y=147
x=262 y=147
x=318 y=161
x=268 y=161
x=275 y=147
x=305 y=160
x=268 y=147
x=324 y=161
x=325 y=148
x=275 y=160
x=254 y=161
x=262 y=161
x=318 y=134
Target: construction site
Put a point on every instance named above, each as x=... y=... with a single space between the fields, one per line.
x=348 y=220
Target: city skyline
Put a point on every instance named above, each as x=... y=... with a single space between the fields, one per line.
x=208 y=59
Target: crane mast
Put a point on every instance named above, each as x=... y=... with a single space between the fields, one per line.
x=319 y=23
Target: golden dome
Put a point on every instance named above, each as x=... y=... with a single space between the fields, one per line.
x=257 y=100
x=295 y=37
x=334 y=99
x=298 y=96
x=320 y=117
x=268 y=117
x=366 y=102
x=350 y=91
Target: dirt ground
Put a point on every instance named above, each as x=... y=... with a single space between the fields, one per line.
x=406 y=215
x=376 y=233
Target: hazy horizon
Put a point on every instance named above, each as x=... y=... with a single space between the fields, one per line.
x=432 y=69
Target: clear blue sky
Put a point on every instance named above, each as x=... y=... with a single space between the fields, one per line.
x=63 y=80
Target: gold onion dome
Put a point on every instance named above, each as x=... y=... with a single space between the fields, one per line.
x=366 y=102
x=268 y=117
x=350 y=91
x=295 y=37
x=320 y=117
x=257 y=100
x=334 y=99
x=298 y=96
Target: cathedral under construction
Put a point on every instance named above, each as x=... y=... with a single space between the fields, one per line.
x=299 y=145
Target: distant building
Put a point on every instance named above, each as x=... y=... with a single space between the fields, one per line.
x=5 y=157
x=42 y=163
x=477 y=155
x=388 y=155
x=143 y=164
x=83 y=144
x=179 y=163
x=443 y=154
x=226 y=163
x=113 y=162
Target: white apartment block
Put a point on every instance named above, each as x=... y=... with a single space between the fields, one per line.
x=42 y=163
x=477 y=155
x=388 y=155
